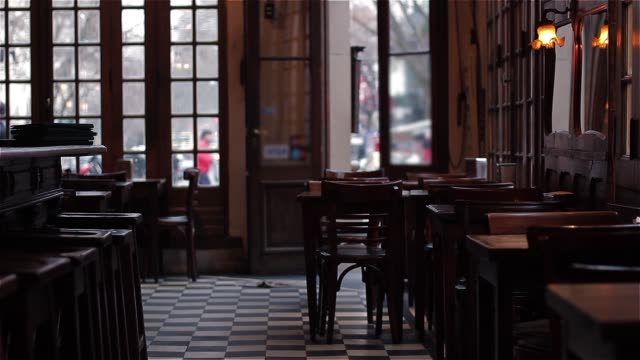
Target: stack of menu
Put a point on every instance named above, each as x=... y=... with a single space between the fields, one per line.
x=52 y=134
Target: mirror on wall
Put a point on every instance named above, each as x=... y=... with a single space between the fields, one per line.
x=561 y=104
x=593 y=92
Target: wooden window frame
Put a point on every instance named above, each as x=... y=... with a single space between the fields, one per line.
x=439 y=80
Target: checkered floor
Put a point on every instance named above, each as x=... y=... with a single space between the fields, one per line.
x=232 y=318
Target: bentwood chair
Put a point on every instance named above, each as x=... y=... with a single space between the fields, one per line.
x=363 y=228
x=184 y=223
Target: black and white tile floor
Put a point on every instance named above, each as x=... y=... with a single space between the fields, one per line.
x=230 y=318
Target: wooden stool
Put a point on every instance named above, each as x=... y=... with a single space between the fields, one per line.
x=33 y=323
x=108 y=269
x=85 y=290
x=125 y=241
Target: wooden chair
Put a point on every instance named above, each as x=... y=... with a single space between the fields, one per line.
x=579 y=254
x=472 y=217
x=369 y=238
x=184 y=223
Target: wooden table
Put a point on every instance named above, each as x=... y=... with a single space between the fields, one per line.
x=312 y=210
x=497 y=264
x=602 y=321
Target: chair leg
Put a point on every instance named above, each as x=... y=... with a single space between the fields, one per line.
x=191 y=253
x=380 y=307
x=322 y=308
x=366 y=278
x=331 y=280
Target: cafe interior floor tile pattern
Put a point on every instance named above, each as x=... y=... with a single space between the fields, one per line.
x=228 y=318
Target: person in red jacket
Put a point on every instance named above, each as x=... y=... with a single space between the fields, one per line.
x=205 y=160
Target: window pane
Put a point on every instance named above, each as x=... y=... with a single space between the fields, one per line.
x=63 y=26
x=64 y=121
x=181 y=134
x=68 y=164
x=89 y=59
x=365 y=149
x=88 y=3
x=209 y=166
x=181 y=25
x=20 y=99
x=182 y=97
x=284 y=118
x=139 y=165
x=133 y=62
x=89 y=26
x=133 y=135
x=207 y=61
x=207 y=97
x=180 y=162
x=133 y=98
x=132 y=25
x=19 y=63
x=63 y=3
x=409 y=25
x=206 y=2
x=91 y=165
x=181 y=61
x=132 y=2
x=64 y=63
x=90 y=99
x=64 y=99
x=208 y=135
x=19 y=27
x=207 y=25
x=19 y=3
x=97 y=128
x=410 y=110
x=2 y=32
x=181 y=2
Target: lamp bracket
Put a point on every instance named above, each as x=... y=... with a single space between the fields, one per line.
x=555 y=11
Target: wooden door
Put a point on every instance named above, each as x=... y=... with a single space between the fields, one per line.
x=284 y=124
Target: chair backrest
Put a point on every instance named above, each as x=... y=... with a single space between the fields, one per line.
x=518 y=223
x=441 y=192
x=495 y=194
x=373 y=211
x=472 y=215
x=587 y=253
x=331 y=174
x=192 y=175
x=415 y=176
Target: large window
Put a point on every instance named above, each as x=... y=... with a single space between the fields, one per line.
x=15 y=64
x=76 y=87
x=194 y=90
x=93 y=67
x=395 y=116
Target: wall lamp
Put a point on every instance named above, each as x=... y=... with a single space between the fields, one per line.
x=547 y=36
x=602 y=40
